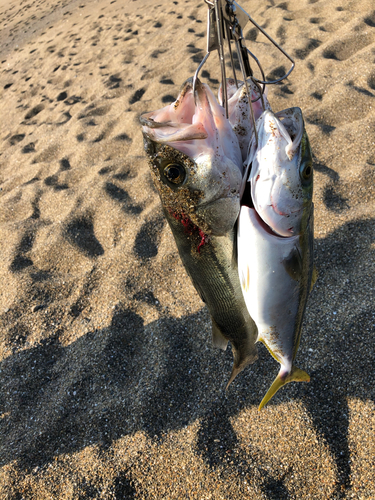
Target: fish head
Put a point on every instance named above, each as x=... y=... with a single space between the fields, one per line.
x=282 y=174
x=239 y=113
x=195 y=160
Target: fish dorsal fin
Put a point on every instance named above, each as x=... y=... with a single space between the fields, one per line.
x=218 y=338
x=293 y=264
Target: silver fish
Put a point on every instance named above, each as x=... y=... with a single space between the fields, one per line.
x=196 y=165
x=275 y=239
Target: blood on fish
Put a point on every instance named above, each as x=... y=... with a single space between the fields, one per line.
x=203 y=241
x=190 y=228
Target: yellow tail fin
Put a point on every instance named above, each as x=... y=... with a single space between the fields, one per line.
x=296 y=375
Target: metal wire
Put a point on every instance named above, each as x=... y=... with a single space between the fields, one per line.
x=226 y=20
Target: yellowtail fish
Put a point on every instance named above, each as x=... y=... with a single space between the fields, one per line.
x=275 y=239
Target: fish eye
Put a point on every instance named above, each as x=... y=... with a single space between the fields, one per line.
x=307 y=171
x=175 y=173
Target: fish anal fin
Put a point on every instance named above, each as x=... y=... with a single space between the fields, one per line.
x=296 y=375
x=218 y=338
x=293 y=264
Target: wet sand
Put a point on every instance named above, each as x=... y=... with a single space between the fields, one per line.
x=110 y=386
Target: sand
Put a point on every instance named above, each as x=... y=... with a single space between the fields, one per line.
x=110 y=386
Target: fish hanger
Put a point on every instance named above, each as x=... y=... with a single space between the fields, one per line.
x=226 y=20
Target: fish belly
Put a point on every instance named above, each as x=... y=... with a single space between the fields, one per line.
x=270 y=293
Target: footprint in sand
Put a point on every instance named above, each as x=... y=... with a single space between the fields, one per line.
x=122 y=196
x=80 y=233
x=29 y=148
x=311 y=45
x=148 y=238
x=137 y=96
x=83 y=301
x=34 y=111
x=20 y=260
x=343 y=49
x=15 y=139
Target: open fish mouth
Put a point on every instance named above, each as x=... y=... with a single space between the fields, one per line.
x=195 y=125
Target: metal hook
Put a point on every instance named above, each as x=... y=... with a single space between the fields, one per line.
x=226 y=20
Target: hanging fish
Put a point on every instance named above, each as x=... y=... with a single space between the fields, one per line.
x=275 y=239
x=196 y=165
x=239 y=114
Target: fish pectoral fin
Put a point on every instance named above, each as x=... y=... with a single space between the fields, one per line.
x=296 y=375
x=314 y=277
x=218 y=338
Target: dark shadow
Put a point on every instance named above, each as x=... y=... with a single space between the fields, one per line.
x=20 y=260
x=311 y=45
x=319 y=121
x=119 y=194
x=333 y=200
x=80 y=233
x=162 y=376
x=137 y=96
x=148 y=237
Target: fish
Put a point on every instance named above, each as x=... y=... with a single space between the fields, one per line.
x=196 y=165
x=239 y=114
x=275 y=239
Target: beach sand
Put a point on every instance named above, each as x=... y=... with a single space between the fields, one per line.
x=110 y=386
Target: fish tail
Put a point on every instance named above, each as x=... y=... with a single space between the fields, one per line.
x=295 y=375
x=235 y=371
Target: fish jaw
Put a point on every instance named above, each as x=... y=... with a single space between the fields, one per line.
x=284 y=377
x=278 y=193
x=194 y=126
